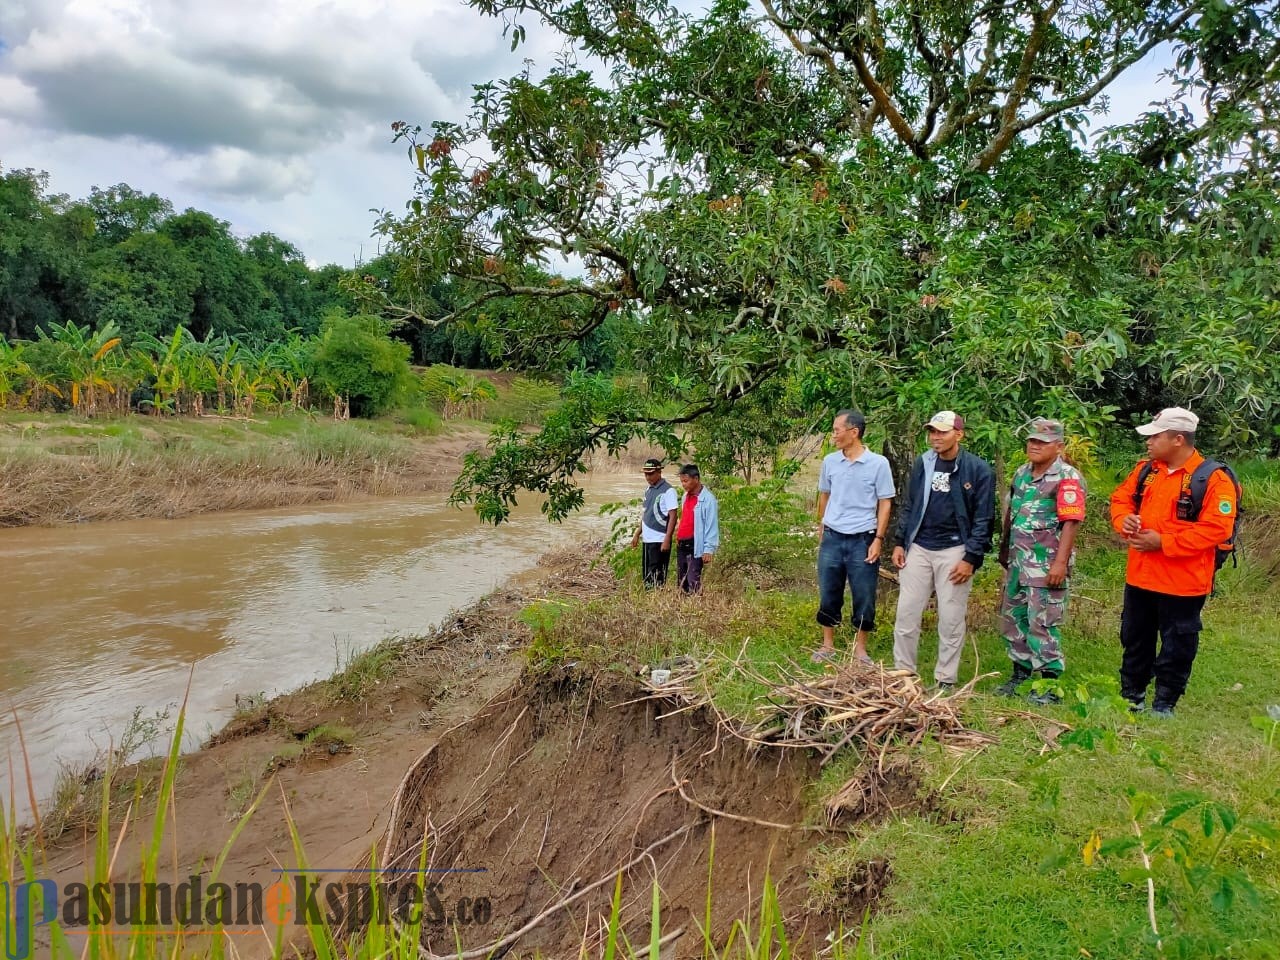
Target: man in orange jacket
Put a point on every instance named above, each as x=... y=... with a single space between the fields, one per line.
x=1171 y=559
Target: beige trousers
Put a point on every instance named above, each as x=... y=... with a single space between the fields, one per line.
x=924 y=575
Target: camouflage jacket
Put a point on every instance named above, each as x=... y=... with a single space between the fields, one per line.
x=1037 y=510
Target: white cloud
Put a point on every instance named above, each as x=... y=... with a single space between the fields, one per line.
x=272 y=114
x=233 y=172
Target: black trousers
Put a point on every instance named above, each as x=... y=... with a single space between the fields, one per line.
x=688 y=567
x=1177 y=621
x=655 y=563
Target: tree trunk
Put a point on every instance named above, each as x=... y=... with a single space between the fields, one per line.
x=900 y=450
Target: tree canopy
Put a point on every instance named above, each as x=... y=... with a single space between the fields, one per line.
x=901 y=204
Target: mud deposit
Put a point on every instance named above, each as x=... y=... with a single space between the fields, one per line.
x=553 y=789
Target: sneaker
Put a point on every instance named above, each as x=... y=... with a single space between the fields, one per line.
x=942 y=688
x=1162 y=710
x=1009 y=688
x=1046 y=698
x=1137 y=706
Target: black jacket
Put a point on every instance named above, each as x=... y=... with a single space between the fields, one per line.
x=972 y=492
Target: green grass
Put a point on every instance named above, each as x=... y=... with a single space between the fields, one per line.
x=996 y=867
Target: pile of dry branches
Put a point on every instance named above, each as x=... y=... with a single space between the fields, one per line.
x=579 y=571
x=861 y=704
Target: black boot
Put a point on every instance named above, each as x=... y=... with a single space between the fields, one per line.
x=1021 y=673
x=1163 y=702
x=1137 y=699
x=1049 y=695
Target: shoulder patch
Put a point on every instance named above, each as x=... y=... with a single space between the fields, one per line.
x=1224 y=507
x=1070 y=499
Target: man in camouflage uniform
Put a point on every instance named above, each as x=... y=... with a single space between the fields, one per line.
x=1046 y=508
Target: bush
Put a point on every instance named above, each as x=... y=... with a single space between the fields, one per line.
x=356 y=359
x=421 y=419
x=459 y=393
x=528 y=402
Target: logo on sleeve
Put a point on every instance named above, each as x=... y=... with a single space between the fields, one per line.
x=1224 y=507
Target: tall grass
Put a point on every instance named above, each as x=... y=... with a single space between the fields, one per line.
x=132 y=475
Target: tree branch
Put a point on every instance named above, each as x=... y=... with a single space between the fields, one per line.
x=886 y=104
x=1010 y=127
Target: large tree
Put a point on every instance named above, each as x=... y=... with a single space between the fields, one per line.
x=41 y=274
x=896 y=203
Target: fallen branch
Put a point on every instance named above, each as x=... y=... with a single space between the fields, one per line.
x=499 y=946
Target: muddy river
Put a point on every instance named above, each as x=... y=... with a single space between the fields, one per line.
x=103 y=621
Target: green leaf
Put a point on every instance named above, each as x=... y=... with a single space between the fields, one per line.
x=1262 y=828
x=1226 y=816
x=1134 y=875
x=1117 y=846
x=1180 y=807
x=1224 y=896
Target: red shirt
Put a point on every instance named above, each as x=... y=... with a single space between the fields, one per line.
x=684 y=530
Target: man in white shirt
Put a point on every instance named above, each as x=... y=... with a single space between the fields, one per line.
x=657 y=525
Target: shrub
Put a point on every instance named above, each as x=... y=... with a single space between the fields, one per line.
x=356 y=359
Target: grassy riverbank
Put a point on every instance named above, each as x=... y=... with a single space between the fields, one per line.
x=1078 y=831
x=68 y=469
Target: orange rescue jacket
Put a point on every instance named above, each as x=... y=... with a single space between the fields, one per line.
x=1183 y=566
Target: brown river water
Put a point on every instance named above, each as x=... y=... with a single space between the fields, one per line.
x=105 y=618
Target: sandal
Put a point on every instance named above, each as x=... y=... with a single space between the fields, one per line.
x=866 y=658
x=822 y=656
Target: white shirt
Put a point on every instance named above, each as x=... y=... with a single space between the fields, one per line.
x=666 y=503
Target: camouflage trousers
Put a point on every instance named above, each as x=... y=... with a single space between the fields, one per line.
x=1031 y=623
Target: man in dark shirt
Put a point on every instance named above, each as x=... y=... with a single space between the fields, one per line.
x=944 y=532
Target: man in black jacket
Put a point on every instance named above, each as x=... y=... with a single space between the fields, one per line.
x=944 y=532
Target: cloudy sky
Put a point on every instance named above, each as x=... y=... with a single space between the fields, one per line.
x=271 y=114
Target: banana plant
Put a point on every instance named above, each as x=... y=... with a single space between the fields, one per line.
x=86 y=353
x=289 y=363
x=14 y=371
x=162 y=360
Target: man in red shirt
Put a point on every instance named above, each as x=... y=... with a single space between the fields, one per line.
x=1171 y=559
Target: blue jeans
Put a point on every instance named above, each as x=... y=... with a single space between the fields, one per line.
x=843 y=557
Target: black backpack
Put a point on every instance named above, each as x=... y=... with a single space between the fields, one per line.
x=1196 y=485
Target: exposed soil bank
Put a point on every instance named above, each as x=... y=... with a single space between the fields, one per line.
x=565 y=781
x=549 y=783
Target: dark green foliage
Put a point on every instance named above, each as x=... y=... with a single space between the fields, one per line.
x=145 y=285
x=126 y=258
x=895 y=198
